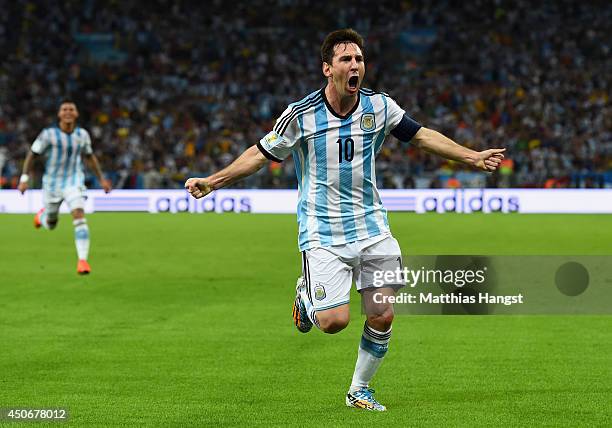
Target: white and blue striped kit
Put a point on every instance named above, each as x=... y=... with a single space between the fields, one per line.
x=334 y=155
x=64 y=166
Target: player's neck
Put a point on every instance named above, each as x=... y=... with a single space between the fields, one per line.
x=67 y=127
x=342 y=105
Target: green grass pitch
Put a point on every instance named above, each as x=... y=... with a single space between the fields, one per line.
x=186 y=321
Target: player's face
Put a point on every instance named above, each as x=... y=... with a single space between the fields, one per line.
x=347 y=68
x=68 y=113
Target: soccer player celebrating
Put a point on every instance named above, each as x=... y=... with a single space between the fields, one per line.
x=64 y=179
x=334 y=135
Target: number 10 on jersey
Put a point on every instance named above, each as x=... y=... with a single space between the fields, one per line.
x=346 y=149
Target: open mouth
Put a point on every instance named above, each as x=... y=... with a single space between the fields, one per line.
x=353 y=82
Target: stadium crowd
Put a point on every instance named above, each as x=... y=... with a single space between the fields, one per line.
x=176 y=89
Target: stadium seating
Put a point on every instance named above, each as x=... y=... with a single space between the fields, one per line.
x=168 y=93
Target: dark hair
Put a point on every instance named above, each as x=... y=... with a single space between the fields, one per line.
x=347 y=35
x=66 y=100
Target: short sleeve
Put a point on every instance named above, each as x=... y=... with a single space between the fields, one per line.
x=277 y=144
x=39 y=146
x=394 y=115
x=87 y=149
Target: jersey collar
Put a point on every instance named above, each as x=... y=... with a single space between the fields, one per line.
x=332 y=111
x=64 y=132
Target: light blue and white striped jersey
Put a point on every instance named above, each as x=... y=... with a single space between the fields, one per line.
x=64 y=166
x=338 y=200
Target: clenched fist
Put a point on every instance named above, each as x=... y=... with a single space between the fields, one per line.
x=198 y=187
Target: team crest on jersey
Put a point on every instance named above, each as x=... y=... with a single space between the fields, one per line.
x=368 y=123
x=319 y=292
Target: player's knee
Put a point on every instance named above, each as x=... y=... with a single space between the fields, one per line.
x=334 y=324
x=78 y=214
x=381 y=322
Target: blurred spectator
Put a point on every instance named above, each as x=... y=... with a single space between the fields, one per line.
x=152 y=179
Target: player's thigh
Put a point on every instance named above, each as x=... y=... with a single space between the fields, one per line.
x=328 y=278
x=52 y=202
x=75 y=199
x=380 y=276
x=380 y=265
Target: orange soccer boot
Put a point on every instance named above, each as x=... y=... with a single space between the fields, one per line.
x=83 y=267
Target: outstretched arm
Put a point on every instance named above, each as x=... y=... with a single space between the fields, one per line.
x=25 y=177
x=92 y=162
x=434 y=142
x=247 y=163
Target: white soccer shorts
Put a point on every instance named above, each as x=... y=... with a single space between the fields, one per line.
x=329 y=272
x=74 y=197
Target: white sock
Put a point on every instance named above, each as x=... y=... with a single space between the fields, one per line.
x=372 y=349
x=312 y=314
x=81 y=238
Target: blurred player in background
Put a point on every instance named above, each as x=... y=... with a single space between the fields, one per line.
x=64 y=180
x=334 y=135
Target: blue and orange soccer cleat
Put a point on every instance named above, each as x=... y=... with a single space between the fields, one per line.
x=300 y=316
x=363 y=398
x=37 y=222
x=83 y=267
